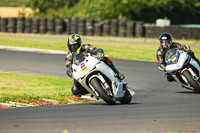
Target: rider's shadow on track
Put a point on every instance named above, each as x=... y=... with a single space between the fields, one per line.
x=101 y=102
x=188 y=92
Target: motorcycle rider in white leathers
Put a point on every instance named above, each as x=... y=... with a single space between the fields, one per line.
x=75 y=45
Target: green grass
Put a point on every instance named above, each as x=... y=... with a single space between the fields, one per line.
x=114 y=47
x=23 y=88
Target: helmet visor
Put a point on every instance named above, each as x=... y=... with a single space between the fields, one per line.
x=74 y=47
x=165 y=43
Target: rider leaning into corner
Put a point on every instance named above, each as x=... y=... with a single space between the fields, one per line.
x=166 y=44
x=75 y=45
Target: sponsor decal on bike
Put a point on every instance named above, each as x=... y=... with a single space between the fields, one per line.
x=83 y=67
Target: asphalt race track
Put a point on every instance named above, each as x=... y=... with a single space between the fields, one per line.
x=158 y=106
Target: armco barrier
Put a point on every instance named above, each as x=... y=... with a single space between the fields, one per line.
x=97 y=27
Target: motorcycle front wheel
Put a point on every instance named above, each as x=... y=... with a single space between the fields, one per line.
x=127 y=98
x=191 y=81
x=102 y=93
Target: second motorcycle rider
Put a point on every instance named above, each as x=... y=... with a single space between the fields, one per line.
x=166 y=44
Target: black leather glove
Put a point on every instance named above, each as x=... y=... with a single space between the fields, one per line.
x=99 y=55
x=186 y=48
x=69 y=74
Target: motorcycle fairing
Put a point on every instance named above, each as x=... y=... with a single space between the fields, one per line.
x=79 y=70
x=94 y=67
x=195 y=64
x=108 y=72
x=176 y=66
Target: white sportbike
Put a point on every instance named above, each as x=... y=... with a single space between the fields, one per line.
x=183 y=68
x=99 y=79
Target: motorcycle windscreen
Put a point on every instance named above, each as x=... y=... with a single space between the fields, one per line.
x=171 y=56
x=178 y=64
x=78 y=58
x=83 y=68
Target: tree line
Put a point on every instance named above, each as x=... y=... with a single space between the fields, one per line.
x=177 y=11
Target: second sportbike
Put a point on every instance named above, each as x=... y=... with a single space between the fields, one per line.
x=183 y=68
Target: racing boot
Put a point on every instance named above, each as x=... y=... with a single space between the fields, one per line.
x=191 y=53
x=119 y=75
x=109 y=63
x=78 y=90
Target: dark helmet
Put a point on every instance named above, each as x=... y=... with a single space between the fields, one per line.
x=165 y=37
x=74 y=42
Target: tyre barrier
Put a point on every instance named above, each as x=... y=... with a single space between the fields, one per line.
x=74 y=25
x=4 y=22
x=139 y=29
x=130 y=28
x=106 y=27
x=114 y=27
x=35 y=25
x=67 y=23
x=59 y=26
x=122 y=28
x=51 y=25
x=20 y=25
x=89 y=29
x=97 y=27
x=82 y=26
x=11 y=27
x=43 y=25
x=28 y=25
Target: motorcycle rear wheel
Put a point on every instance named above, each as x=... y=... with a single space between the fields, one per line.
x=191 y=81
x=102 y=93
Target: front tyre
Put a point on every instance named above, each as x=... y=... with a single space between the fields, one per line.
x=102 y=93
x=191 y=81
x=127 y=98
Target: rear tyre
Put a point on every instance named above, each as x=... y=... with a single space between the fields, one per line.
x=102 y=93
x=127 y=98
x=191 y=81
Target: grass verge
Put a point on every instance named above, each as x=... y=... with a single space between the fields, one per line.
x=26 y=88
x=114 y=47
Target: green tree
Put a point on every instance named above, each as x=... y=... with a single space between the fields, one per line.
x=178 y=11
x=50 y=7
